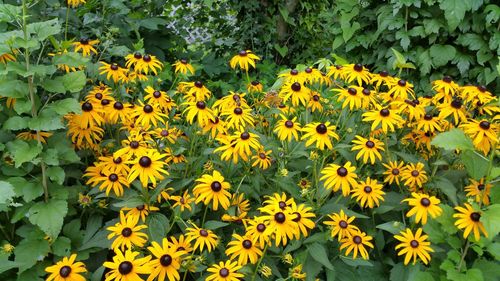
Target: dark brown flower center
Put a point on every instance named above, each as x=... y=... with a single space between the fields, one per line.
x=298 y=217
x=238 y=111
x=415 y=173
x=164 y=133
x=166 y=260
x=308 y=70
x=137 y=55
x=65 y=271
x=425 y=202
x=294 y=72
x=223 y=272
x=481 y=88
x=147 y=108
x=370 y=144
x=146 y=58
x=316 y=98
x=384 y=112
x=456 y=103
x=358 y=67
x=321 y=129
x=480 y=187
x=395 y=171
x=402 y=83
x=87 y=106
x=447 y=79
x=262 y=155
x=201 y=105
x=125 y=267
x=134 y=144
x=98 y=96
x=245 y=136
x=145 y=161
x=279 y=217
x=141 y=207
x=485 y=125
x=247 y=244
x=156 y=94
x=384 y=73
x=255 y=83
x=261 y=227
x=366 y=92
x=367 y=189
x=118 y=105
x=357 y=239
x=203 y=232
x=105 y=102
x=216 y=186
x=428 y=117
x=84 y=41
x=113 y=177
x=184 y=61
x=342 y=171
x=296 y=87
x=414 y=243
x=475 y=216
x=114 y=67
x=242 y=53
x=126 y=232
x=288 y=124
x=343 y=224
x=282 y=205
x=352 y=91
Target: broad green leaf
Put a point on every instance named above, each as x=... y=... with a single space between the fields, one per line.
x=62 y=247
x=5 y=263
x=56 y=174
x=74 y=81
x=318 y=252
x=48 y=120
x=157 y=226
x=475 y=164
x=394 y=227
x=65 y=106
x=454 y=11
x=453 y=139
x=356 y=262
x=215 y=224
x=22 y=151
x=281 y=50
x=49 y=216
x=446 y=220
x=400 y=59
x=42 y=30
x=447 y=187
x=491 y=220
x=27 y=189
x=16 y=123
x=442 y=54
x=71 y=59
x=6 y=192
x=29 y=251
x=425 y=62
x=13 y=89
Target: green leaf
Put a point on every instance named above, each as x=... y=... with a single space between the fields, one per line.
x=56 y=174
x=71 y=59
x=454 y=11
x=442 y=54
x=23 y=152
x=447 y=188
x=62 y=247
x=5 y=263
x=281 y=50
x=475 y=164
x=356 y=262
x=215 y=224
x=65 y=106
x=453 y=139
x=13 y=89
x=48 y=120
x=491 y=220
x=394 y=227
x=16 y=123
x=446 y=220
x=28 y=190
x=157 y=226
x=318 y=252
x=49 y=216
x=6 y=192
x=42 y=30
x=74 y=81
x=425 y=62
x=471 y=40
x=28 y=252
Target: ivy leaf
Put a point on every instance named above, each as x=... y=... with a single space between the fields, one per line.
x=442 y=54
x=318 y=253
x=49 y=216
x=453 y=139
x=23 y=152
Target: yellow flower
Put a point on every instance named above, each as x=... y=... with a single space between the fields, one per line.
x=147 y=63
x=356 y=244
x=213 y=188
x=167 y=262
x=8 y=248
x=141 y=211
x=281 y=224
x=75 y=3
x=262 y=159
x=388 y=120
x=319 y=133
x=225 y=271
x=414 y=175
x=484 y=134
x=244 y=248
x=255 y=87
x=256 y=228
x=202 y=238
x=4 y=58
x=200 y=111
x=414 y=245
x=303 y=216
x=127 y=233
x=341 y=225
x=112 y=71
x=66 y=270
x=244 y=59
x=454 y=108
x=351 y=97
x=34 y=135
x=299 y=93
x=126 y=266
x=355 y=72
x=423 y=204
x=479 y=190
x=400 y=89
x=337 y=177
x=368 y=193
x=287 y=129
x=183 y=66
x=297 y=273
x=368 y=149
x=148 y=167
x=392 y=174
x=265 y=271
x=469 y=220
x=86 y=46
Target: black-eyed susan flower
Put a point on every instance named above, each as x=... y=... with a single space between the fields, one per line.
x=303 y=218
x=108 y=181
x=356 y=244
x=225 y=271
x=368 y=149
x=127 y=266
x=479 y=190
x=166 y=262
x=414 y=175
x=277 y=202
x=336 y=72
x=113 y=71
x=147 y=167
x=337 y=177
x=292 y=76
x=86 y=46
x=319 y=133
x=446 y=88
x=134 y=145
x=181 y=244
x=388 y=119
x=429 y=123
x=213 y=189
x=244 y=142
x=6 y=57
x=119 y=112
x=127 y=233
x=244 y=59
x=165 y=133
x=256 y=228
x=454 y=108
x=158 y=98
x=148 y=114
x=262 y=159
x=245 y=248
x=381 y=78
x=368 y=193
x=195 y=91
x=132 y=59
x=472 y=93
x=356 y=72
x=297 y=92
x=422 y=206
x=141 y=211
x=255 y=87
x=286 y=129
x=315 y=102
x=200 y=111
x=304 y=183
x=216 y=127
x=414 y=245
x=75 y=3
x=66 y=270
x=350 y=97
x=238 y=117
x=393 y=172
x=148 y=63
x=34 y=135
x=202 y=238
x=469 y=220
x=281 y=224
x=296 y=273
x=483 y=133
x=400 y=89
x=341 y=225
x=183 y=66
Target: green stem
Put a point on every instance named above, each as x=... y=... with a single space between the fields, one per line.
x=185 y=275
x=204 y=216
x=31 y=90
x=464 y=253
x=66 y=23
x=259 y=262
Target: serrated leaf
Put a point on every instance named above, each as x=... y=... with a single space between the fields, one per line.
x=6 y=192
x=16 y=123
x=23 y=152
x=48 y=120
x=453 y=139
x=13 y=89
x=318 y=253
x=447 y=187
x=442 y=54
x=212 y=225
x=56 y=174
x=157 y=226
x=49 y=216
x=28 y=190
x=28 y=252
x=454 y=11
x=65 y=106
x=74 y=81
x=475 y=164
x=71 y=59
